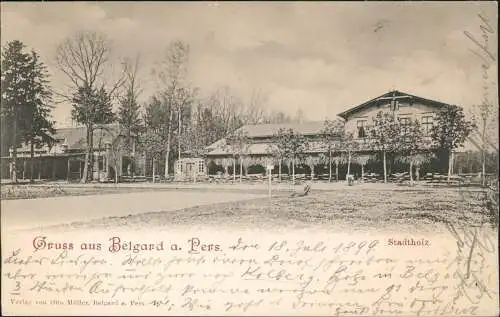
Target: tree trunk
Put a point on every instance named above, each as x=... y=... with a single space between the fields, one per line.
x=279 y=170
x=337 y=171
x=312 y=171
x=411 y=172
x=169 y=140
x=87 y=157
x=293 y=171
x=116 y=173
x=417 y=171
x=40 y=168
x=91 y=156
x=385 y=166
x=54 y=168
x=348 y=165
x=450 y=165
x=14 y=152
x=154 y=170
x=179 y=133
x=241 y=168
x=362 y=172
x=32 y=161
x=330 y=167
x=234 y=169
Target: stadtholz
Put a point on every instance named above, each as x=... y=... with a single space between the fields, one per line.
x=409 y=242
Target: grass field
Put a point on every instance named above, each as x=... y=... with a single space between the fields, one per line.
x=339 y=210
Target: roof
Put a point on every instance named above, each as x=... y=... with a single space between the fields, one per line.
x=76 y=137
x=391 y=94
x=268 y=130
x=263 y=149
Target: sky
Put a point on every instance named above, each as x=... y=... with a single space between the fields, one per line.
x=323 y=57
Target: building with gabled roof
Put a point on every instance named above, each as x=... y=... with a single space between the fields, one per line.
x=357 y=121
x=64 y=159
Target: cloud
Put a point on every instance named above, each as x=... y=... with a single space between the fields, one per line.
x=322 y=56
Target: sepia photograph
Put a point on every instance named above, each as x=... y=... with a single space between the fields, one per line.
x=249 y=158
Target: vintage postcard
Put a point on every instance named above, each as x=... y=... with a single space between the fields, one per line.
x=249 y=158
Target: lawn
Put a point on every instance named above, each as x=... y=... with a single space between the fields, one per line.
x=339 y=210
x=26 y=191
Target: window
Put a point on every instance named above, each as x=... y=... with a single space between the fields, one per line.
x=201 y=167
x=405 y=123
x=361 y=124
x=427 y=123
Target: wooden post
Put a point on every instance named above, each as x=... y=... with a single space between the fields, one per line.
x=54 y=168
x=80 y=168
x=68 y=169
x=40 y=166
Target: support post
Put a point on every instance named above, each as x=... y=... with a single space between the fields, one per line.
x=54 y=168
x=68 y=169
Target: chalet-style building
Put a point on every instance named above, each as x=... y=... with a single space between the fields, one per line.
x=357 y=121
x=64 y=160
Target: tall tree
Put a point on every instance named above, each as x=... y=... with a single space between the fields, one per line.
x=39 y=129
x=92 y=108
x=485 y=122
x=411 y=144
x=385 y=134
x=279 y=148
x=255 y=111
x=177 y=93
x=295 y=145
x=84 y=59
x=349 y=145
x=238 y=144
x=450 y=132
x=25 y=101
x=331 y=133
x=129 y=109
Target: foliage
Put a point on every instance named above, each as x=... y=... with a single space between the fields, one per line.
x=238 y=142
x=331 y=133
x=411 y=138
x=129 y=115
x=92 y=106
x=26 y=100
x=385 y=132
x=451 y=129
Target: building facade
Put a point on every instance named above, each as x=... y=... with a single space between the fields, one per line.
x=65 y=158
x=356 y=120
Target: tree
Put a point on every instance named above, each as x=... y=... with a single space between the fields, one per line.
x=255 y=111
x=363 y=160
x=238 y=144
x=485 y=122
x=38 y=126
x=25 y=102
x=153 y=143
x=83 y=58
x=278 y=148
x=291 y=145
x=411 y=143
x=92 y=108
x=385 y=134
x=349 y=146
x=172 y=75
x=331 y=132
x=129 y=109
x=450 y=132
